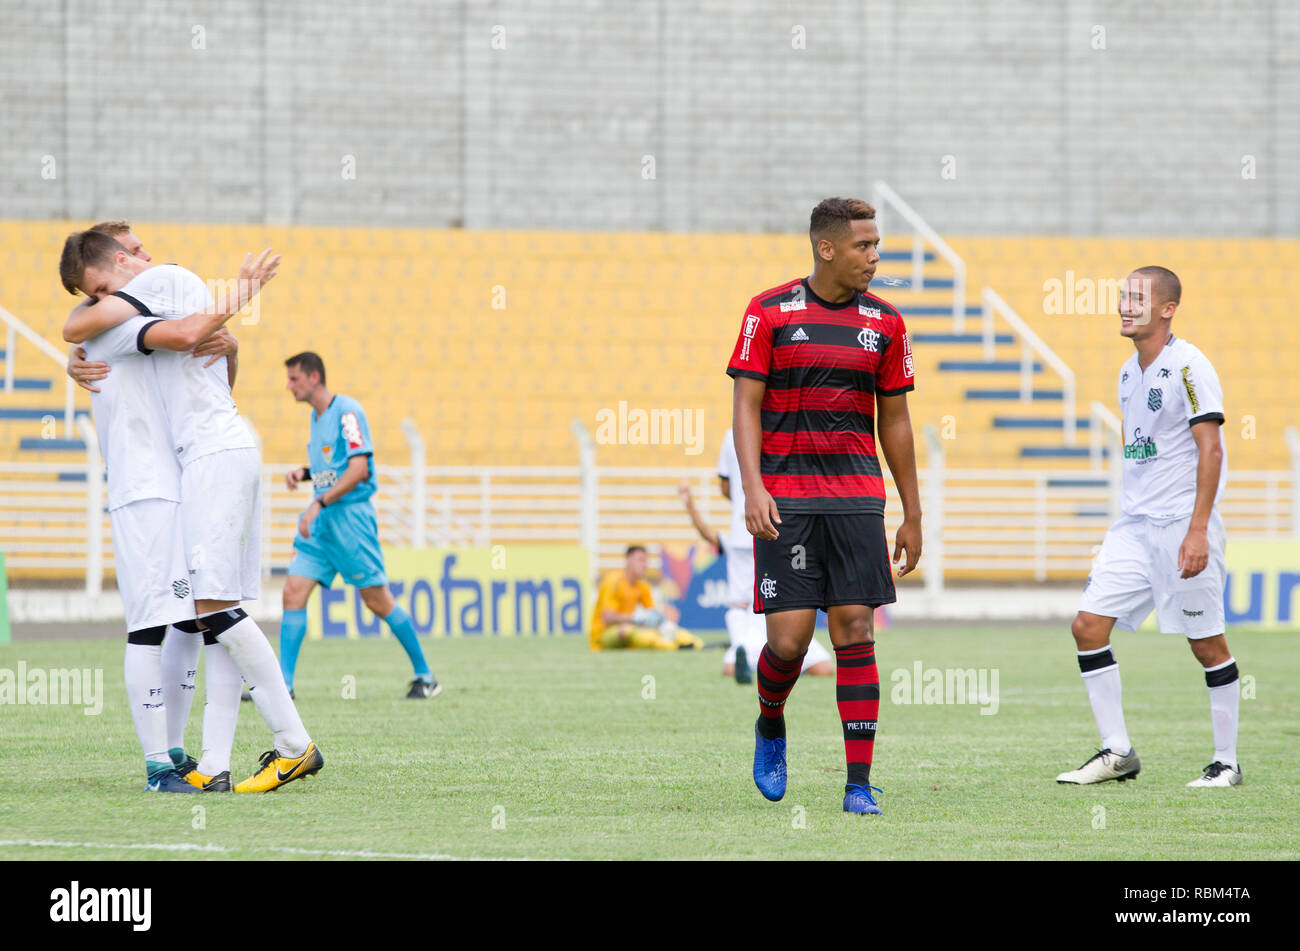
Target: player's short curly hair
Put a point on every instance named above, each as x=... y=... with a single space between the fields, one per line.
x=831 y=217
x=84 y=249
x=308 y=363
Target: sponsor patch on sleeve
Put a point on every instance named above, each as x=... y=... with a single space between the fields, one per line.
x=352 y=431
x=1191 y=390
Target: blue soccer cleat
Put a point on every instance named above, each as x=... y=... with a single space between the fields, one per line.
x=769 y=766
x=858 y=800
x=170 y=781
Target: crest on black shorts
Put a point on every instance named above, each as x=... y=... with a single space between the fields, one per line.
x=1155 y=399
x=181 y=587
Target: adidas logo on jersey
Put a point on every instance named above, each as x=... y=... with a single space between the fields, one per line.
x=799 y=336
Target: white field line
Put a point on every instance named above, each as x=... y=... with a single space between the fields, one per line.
x=222 y=850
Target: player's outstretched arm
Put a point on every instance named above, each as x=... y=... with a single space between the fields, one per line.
x=706 y=532
x=894 y=433
x=761 y=516
x=187 y=332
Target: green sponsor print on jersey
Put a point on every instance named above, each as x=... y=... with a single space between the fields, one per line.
x=1191 y=390
x=1142 y=447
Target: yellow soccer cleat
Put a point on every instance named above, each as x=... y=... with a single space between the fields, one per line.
x=277 y=770
x=189 y=772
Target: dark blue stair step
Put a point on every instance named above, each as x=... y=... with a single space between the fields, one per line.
x=940 y=310
x=1027 y=422
x=985 y=366
x=903 y=283
x=52 y=445
x=1057 y=452
x=29 y=383
x=24 y=413
x=1014 y=394
x=903 y=255
x=926 y=337
x=1077 y=484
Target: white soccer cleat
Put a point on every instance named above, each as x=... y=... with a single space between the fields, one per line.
x=1217 y=774
x=1103 y=766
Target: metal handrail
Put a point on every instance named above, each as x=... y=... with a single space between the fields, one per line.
x=993 y=304
x=18 y=328
x=924 y=234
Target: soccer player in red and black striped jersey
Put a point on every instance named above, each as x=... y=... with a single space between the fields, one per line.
x=822 y=369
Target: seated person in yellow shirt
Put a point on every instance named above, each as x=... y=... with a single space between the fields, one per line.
x=625 y=614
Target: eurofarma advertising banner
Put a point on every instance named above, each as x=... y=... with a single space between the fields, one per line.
x=502 y=591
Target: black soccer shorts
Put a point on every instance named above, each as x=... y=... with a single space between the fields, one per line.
x=821 y=560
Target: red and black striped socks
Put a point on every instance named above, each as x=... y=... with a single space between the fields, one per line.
x=857 y=694
x=776 y=679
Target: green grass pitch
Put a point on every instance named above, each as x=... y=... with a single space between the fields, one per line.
x=539 y=749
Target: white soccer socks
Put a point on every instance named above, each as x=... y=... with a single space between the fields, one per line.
x=1101 y=676
x=1225 y=701
x=252 y=655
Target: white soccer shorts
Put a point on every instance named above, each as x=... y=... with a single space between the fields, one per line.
x=149 y=559
x=1137 y=571
x=747 y=629
x=221 y=515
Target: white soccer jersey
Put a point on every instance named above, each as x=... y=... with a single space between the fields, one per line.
x=737 y=543
x=130 y=421
x=1160 y=405
x=201 y=413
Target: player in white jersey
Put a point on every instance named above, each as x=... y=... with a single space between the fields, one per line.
x=172 y=310
x=139 y=554
x=1166 y=552
x=746 y=630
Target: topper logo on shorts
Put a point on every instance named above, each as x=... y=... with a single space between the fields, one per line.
x=76 y=904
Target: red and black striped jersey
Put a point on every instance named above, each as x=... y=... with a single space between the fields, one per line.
x=824 y=365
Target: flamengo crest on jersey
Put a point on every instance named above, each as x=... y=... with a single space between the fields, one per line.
x=1160 y=405
x=201 y=413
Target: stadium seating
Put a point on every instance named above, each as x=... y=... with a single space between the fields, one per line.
x=494 y=342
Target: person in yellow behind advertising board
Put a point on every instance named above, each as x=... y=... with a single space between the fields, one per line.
x=625 y=614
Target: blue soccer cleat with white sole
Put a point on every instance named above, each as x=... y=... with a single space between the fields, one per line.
x=859 y=801
x=769 y=766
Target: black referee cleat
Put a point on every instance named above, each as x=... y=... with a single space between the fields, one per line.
x=423 y=689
